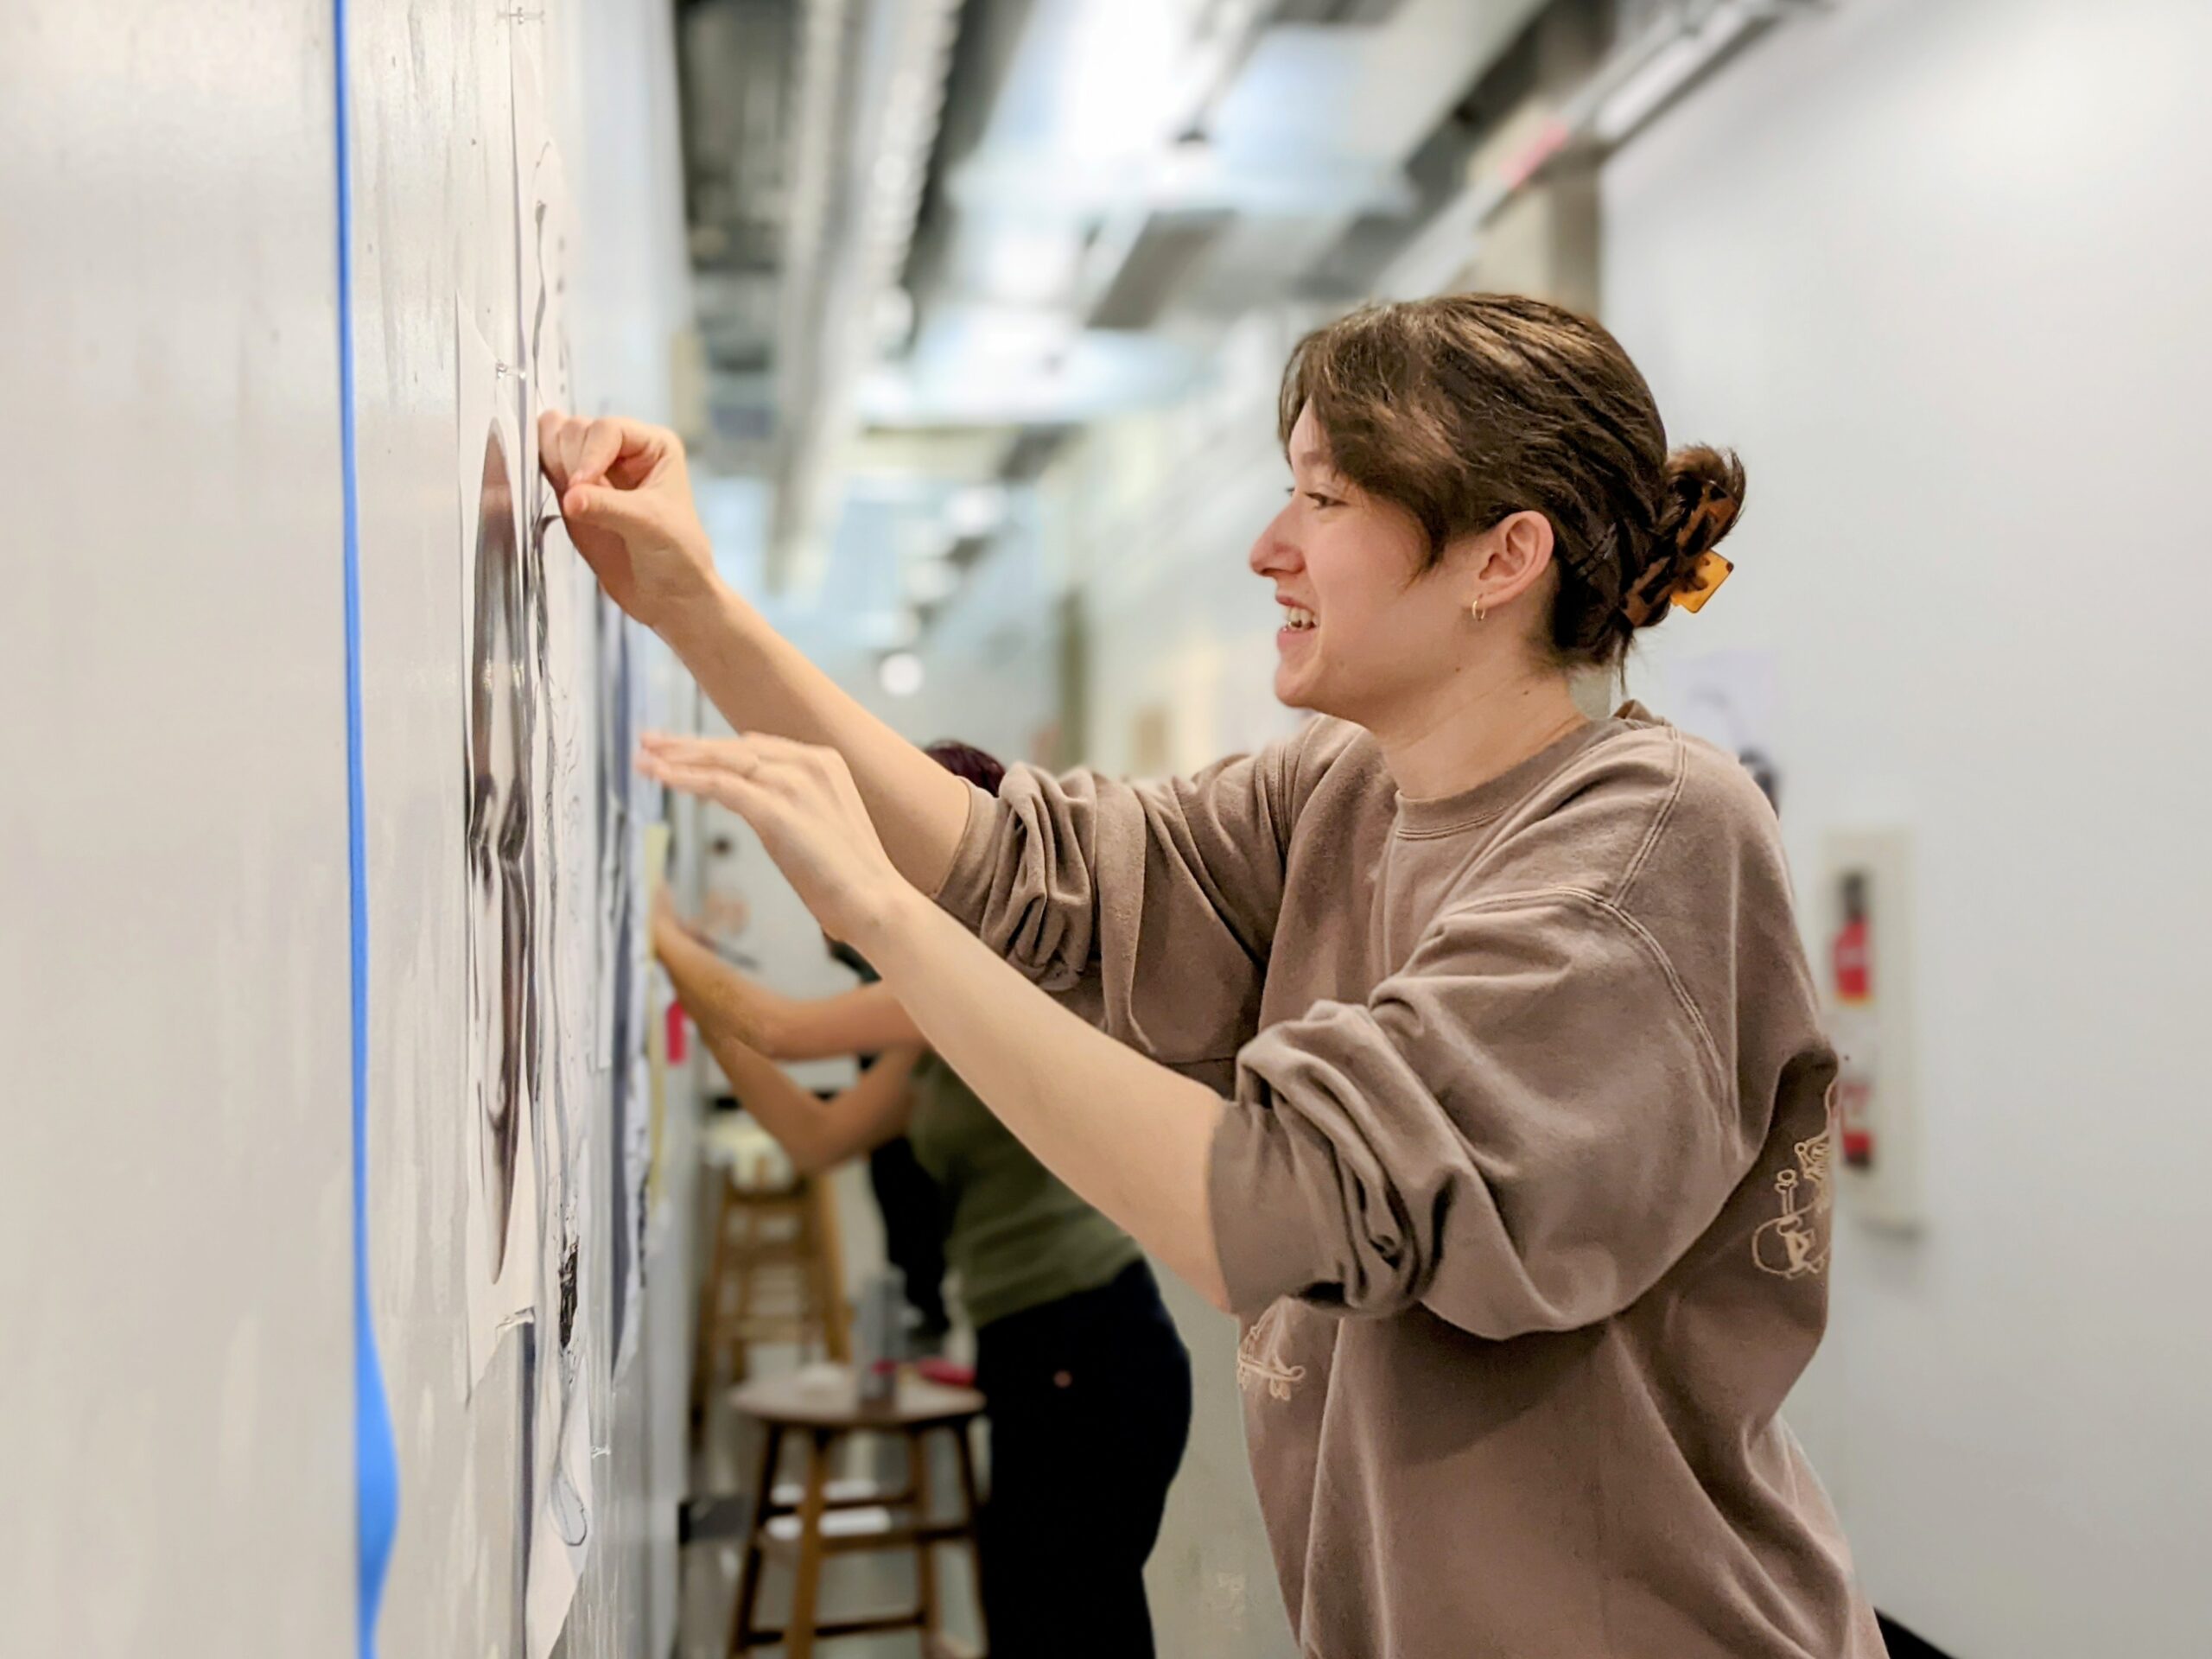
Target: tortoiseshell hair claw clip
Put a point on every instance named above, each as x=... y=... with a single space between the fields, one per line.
x=1702 y=582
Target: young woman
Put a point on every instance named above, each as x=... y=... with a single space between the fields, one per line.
x=1463 y=1046
x=1088 y=1385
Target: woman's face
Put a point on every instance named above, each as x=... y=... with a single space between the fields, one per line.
x=1364 y=632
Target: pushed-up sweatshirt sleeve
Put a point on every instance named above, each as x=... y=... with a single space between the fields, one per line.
x=1149 y=908
x=1521 y=1131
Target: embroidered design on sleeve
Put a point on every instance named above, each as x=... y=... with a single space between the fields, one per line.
x=1794 y=1244
x=1256 y=1370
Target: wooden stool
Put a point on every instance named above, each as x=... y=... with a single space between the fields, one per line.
x=823 y=1518
x=775 y=1272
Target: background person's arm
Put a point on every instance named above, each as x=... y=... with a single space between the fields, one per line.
x=867 y=1020
x=817 y=1134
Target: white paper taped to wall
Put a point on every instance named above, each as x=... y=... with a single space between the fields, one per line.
x=568 y=1377
x=498 y=744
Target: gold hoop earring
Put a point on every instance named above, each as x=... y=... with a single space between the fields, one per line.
x=1480 y=610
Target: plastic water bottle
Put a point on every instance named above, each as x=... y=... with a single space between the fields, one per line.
x=879 y=1342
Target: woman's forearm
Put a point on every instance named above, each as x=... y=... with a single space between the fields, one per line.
x=1125 y=1134
x=865 y=1020
x=728 y=1010
x=761 y=683
x=716 y=995
x=817 y=1134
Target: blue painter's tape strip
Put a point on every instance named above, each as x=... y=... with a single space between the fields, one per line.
x=376 y=1467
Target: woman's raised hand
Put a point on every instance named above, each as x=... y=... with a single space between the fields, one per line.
x=626 y=496
x=802 y=803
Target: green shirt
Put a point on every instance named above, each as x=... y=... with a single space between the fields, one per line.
x=1017 y=1239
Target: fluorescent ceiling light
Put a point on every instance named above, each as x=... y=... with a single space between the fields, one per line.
x=899 y=674
x=949 y=383
x=976 y=510
x=1030 y=265
x=1114 y=100
x=1003 y=336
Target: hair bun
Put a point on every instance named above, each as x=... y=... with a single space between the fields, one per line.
x=1705 y=495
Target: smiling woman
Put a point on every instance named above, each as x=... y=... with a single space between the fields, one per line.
x=1484 y=1146
x=1392 y=469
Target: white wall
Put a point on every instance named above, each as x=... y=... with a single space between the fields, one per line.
x=176 y=1404
x=435 y=211
x=176 y=1205
x=436 y=222
x=1939 y=271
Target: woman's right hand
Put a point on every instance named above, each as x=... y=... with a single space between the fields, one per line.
x=626 y=497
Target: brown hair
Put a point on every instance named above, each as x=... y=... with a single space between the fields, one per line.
x=986 y=771
x=1465 y=409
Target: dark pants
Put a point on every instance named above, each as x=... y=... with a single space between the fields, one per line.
x=913 y=1230
x=1089 y=1401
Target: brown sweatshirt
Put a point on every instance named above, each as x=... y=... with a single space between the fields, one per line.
x=1522 y=1192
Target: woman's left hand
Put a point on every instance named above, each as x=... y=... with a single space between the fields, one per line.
x=802 y=803
x=665 y=922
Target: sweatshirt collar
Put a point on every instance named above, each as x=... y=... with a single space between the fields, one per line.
x=1441 y=815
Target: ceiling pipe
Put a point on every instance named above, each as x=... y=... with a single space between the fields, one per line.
x=1648 y=74
x=1241 y=139
x=872 y=80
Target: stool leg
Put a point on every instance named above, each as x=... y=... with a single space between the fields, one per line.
x=738 y=1346
x=798 y=1636
x=965 y=1449
x=917 y=1475
x=711 y=1296
x=748 y=1573
x=826 y=1270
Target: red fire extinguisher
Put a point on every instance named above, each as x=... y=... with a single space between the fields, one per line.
x=1851 y=968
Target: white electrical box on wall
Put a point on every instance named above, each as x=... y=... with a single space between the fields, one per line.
x=1864 y=964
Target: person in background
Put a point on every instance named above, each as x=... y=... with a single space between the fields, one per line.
x=907 y=1201
x=1462 y=1045
x=1087 y=1381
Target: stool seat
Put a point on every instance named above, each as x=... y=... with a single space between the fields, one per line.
x=830 y=1398
x=819 y=1516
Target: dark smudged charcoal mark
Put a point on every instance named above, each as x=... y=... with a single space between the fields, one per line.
x=568 y=1295
x=503 y=676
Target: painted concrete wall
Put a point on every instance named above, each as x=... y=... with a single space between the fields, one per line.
x=1938 y=270
x=176 y=1266
x=175 y=1188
